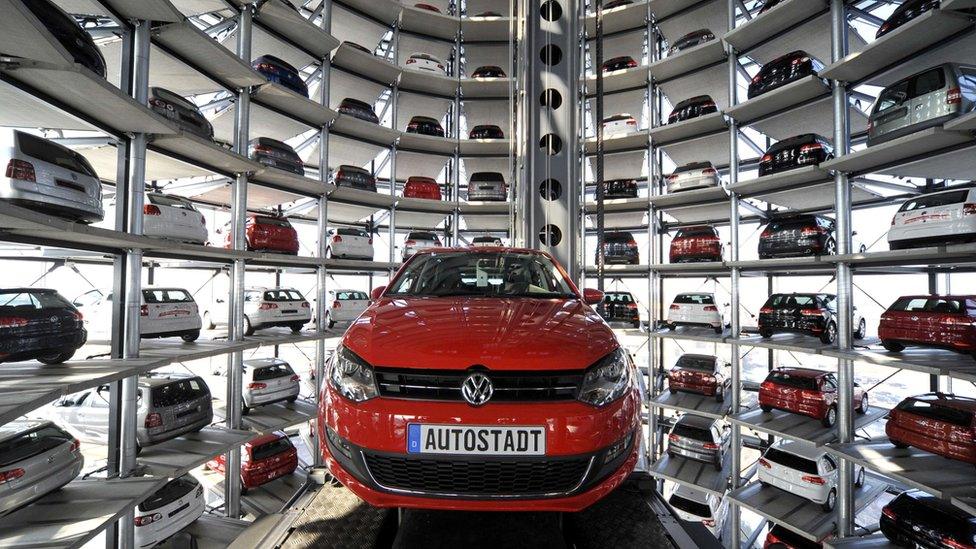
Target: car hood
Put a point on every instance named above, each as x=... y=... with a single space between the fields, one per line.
x=455 y=333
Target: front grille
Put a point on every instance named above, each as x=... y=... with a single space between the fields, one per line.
x=478 y=477
x=508 y=386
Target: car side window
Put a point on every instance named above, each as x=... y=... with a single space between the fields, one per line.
x=829 y=384
x=892 y=97
x=828 y=464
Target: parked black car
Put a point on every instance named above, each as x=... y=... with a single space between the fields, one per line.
x=783 y=70
x=619 y=63
x=177 y=109
x=917 y=519
x=770 y=4
x=358 y=109
x=280 y=72
x=690 y=40
x=425 y=125
x=38 y=324
x=620 y=307
x=355 y=46
x=909 y=10
x=620 y=188
x=488 y=71
x=69 y=34
x=814 y=314
x=797 y=235
x=486 y=131
x=808 y=149
x=355 y=177
x=694 y=107
x=616 y=4
x=276 y=154
x=620 y=248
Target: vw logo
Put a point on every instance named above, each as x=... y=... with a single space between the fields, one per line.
x=477 y=389
x=914 y=319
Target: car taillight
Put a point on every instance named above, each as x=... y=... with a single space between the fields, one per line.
x=675 y=307
x=884 y=28
x=672 y=438
x=799 y=60
x=766 y=234
x=812 y=312
x=814 y=479
x=708 y=104
x=953 y=544
x=632 y=306
x=410 y=243
x=337 y=238
x=411 y=61
x=710 y=309
x=764 y=463
x=631 y=122
x=13 y=474
x=954 y=96
x=771 y=539
x=267 y=306
x=886 y=511
x=263 y=149
x=708 y=522
x=632 y=243
x=296 y=377
x=257 y=386
x=75 y=445
x=148 y=519
x=336 y=304
x=811 y=147
x=370 y=241
x=151 y=209
x=439 y=66
x=672 y=178
x=266 y=67
x=153 y=420
x=969 y=209
x=710 y=446
x=766 y=158
x=709 y=171
x=766 y=311
x=757 y=78
x=767 y=386
x=144 y=310
x=305 y=305
x=811 y=231
x=19 y=169
x=13 y=322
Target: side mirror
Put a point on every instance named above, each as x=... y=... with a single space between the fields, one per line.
x=592 y=296
x=376 y=293
x=220 y=300
x=853 y=233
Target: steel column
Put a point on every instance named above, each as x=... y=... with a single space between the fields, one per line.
x=456 y=122
x=654 y=239
x=394 y=105
x=598 y=119
x=735 y=513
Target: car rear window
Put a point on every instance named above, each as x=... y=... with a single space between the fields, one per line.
x=618 y=237
x=276 y=221
x=487 y=177
x=694 y=299
x=791 y=225
x=174 y=490
x=178 y=392
x=167 y=296
x=691 y=362
x=695 y=232
x=929 y=81
x=46 y=151
x=283 y=295
x=272 y=371
x=692 y=432
x=352 y=232
x=171 y=201
x=928 y=305
x=270 y=449
x=688 y=506
x=618 y=298
x=789 y=380
x=792 y=461
x=422 y=236
x=10 y=301
x=31 y=443
x=345 y=296
x=935 y=412
x=933 y=200
x=784 y=301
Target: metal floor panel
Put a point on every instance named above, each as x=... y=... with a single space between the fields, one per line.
x=336 y=518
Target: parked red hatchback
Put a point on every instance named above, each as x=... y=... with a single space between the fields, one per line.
x=700 y=243
x=807 y=392
x=265 y=233
x=931 y=321
x=702 y=374
x=481 y=379
x=263 y=459
x=943 y=424
x=422 y=187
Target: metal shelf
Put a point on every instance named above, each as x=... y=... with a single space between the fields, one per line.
x=618 y=205
x=485 y=29
x=943 y=256
x=485 y=147
x=914 y=150
x=798 y=343
x=695 y=474
x=424 y=205
x=713 y=148
x=684 y=16
x=485 y=88
x=365 y=64
x=876 y=541
x=179 y=456
x=204 y=153
x=689 y=129
x=798 y=427
x=213 y=532
x=778 y=19
x=631 y=141
x=688 y=61
x=191 y=45
x=288 y=181
x=699 y=405
x=695 y=206
x=23 y=35
x=277 y=97
x=431 y=144
x=429 y=23
x=624 y=18
x=788 y=97
x=918 y=359
x=621 y=271
x=288 y=23
x=353 y=127
x=798 y=514
x=275 y=417
x=429 y=82
x=615 y=81
x=692 y=333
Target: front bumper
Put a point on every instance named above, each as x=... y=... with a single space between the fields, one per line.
x=375 y=432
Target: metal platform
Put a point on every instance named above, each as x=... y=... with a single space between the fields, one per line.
x=695 y=474
x=692 y=333
x=297 y=30
x=191 y=44
x=692 y=403
x=623 y=18
x=211 y=532
x=798 y=343
x=790 y=96
x=365 y=64
x=179 y=456
x=778 y=19
x=796 y=427
x=875 y=541
x=689 y=129
x=918 y=359
x=688 y=61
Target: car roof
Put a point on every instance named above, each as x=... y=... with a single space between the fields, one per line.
x=800 y=448
x=346 y=290
x=687 y=492
x=156 y=380
x=259 y=362
x=949 y=401
x=801 y=372
x=695 y=293
x=14 y=428
x=930 y=296
x=696 y=421
x=264 y=439
x=27 y=290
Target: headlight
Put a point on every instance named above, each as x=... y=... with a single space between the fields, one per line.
x=352 y=376
x=607 y=380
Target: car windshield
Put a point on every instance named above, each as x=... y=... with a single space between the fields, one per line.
x=785 y=301
x=174 y=490
x=612 y=297
x=695 y=232
x=353 y=295
x=943 y=414
x=171 y=201
x=792 y=461
x=928 y=305
x=44 y=150
x=352 y=232
x=12 y=300
x=692 y=432
x=166 y=296
x=482 y=274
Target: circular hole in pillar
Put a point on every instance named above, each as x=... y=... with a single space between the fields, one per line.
x=551 y=98
x=551 y=10
x=550 y=235
x=551 y=144
x=551 y=55
x=551 y=189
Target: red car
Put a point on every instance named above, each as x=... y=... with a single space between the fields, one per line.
x=263 y=459
x=422 y=187
x=702 y=374
x=807 y=392
x=699 y=243
x=481 y=379
x=943 y=424
x=265 y=233
x=781 y=538
x=931 y=321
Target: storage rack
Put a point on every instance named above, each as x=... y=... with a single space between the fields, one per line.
x=204 y=48
x=858 y=178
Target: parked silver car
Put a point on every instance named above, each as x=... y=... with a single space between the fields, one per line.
x=170 y=405
x=36 y=458
x=929 y=98
x=43 y=175
x=700 y=438
x=487 y=186
x=269 y=380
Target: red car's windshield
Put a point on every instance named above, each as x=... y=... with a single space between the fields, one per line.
x=488 y=274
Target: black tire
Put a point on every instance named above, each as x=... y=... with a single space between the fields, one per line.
x=635 y=324
x=292 y=399
x=190 y=337
x=245 y=409
x=829 y=335
x=859 y=478
x=899 y=445
x=208 y=323
x=56 y=358
x=297 y=327
x=248 y=329
x=892 y=346
x=331 y=323
x=717 y=465
x=718 y=329
x=672 y=391
x=766 y=408
x=862 y=330
x=765 y=334
x=828 y=505
x=830 y=419
x=830 y=247
x=865 y=405
x=719 y=395
x=672 y=327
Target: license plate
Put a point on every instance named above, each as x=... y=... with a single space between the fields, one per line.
x=289 y=311
x=467 y=439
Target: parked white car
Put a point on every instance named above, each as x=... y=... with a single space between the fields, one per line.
x=269 y=380
x=164 y=312
x=418 y=240
x=38 y=458
x=697 y=175
x=425 y=62
x=345 y=306
x=350 y=243
x=700 y=506
x=695 y=309
x=805 y=470
x=173 y=218
x=170 y=509
x=620 y=124
x=264 y=308
x=933 y=219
